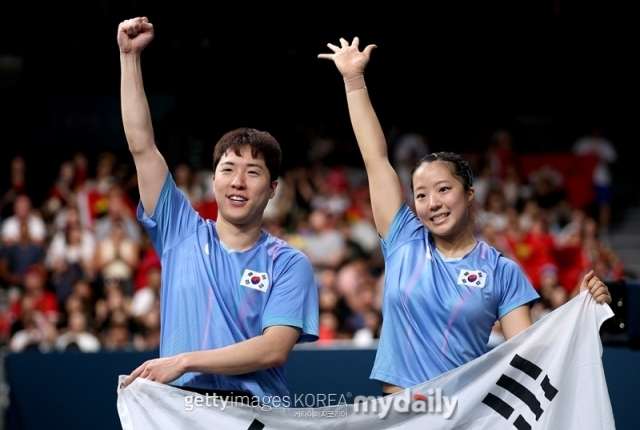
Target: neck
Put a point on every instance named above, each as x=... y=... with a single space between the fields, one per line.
x=457 y=245
x=238 y=238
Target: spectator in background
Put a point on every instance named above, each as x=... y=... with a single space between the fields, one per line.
x=61 y=193
x=17 y=185
x=70 y=256
x=187 y=183
x=408 y=149
x=325 y=245
x=117 y=257
x=596 y=144
x=148 y=336
x=147 y=297
x=23 y=213
x=494 y=211
x=552 y=293
x=117 y=334
x=76 y=336
x=35 y=290
x=118 y=211
x=17 y=258
x=37 y=334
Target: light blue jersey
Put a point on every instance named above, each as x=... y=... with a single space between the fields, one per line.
x=213 y=297
x=438 y=312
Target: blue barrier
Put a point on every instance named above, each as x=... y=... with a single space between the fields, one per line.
x=78 y=391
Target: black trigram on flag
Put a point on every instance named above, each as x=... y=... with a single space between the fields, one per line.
x=521 y=392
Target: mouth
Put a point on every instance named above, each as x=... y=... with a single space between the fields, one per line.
x=238 y=199
x=438 y=218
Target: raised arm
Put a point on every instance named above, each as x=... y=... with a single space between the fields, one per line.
x=386 y=193
x=133 y=36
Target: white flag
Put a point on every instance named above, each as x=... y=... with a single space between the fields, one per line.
x=550 y=376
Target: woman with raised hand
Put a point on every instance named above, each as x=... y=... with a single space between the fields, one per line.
x=443 y=290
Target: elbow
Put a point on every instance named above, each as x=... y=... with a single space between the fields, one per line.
x=276 y=358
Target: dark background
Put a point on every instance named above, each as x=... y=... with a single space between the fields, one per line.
x=545 y=70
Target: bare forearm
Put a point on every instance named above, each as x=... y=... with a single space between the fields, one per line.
x=251 y=355
x=366 y=127
x=136 y=116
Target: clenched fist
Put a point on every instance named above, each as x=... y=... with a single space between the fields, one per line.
x=134 y=35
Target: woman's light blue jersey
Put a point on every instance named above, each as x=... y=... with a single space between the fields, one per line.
x=438 y=312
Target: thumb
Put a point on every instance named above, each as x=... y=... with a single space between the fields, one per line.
x=368 y=49
x=585 y=280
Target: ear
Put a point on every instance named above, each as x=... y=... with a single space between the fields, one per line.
x=470 y=195
x=273 y=186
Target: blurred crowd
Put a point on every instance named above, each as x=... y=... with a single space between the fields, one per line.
x=78 y=272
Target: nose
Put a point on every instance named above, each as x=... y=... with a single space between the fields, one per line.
x=434 y=202
x=238 y=182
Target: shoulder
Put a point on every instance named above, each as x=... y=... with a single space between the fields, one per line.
x=277 y=247
x=283 y=254
x=495 y=258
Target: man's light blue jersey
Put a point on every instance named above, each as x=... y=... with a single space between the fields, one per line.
x=212 y=297
x=438 y=312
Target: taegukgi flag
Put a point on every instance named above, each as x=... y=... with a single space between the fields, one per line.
x=550 y=376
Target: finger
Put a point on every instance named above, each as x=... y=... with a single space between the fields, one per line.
x=133 y=376
x=594 y=284
x=356 y=42
x=326 y=56
x=333 y=47
x=344 y=43
x=585 y=281
x=148 y=29
x=602 y=295
x=132 y=30
x=368 y=49
x=589 y=276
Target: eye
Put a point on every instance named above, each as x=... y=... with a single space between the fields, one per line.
x=443 y=189
x=253 y=172
x=420 y=196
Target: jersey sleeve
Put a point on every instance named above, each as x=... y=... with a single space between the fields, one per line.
x=405 y=227
x=174 y=217
x=294 y=299
x=514 y=288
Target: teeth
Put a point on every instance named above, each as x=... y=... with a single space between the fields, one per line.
x=439 y=217
x=237 y=199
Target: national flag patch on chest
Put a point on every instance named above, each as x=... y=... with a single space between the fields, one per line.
x=473 y=278
x=256 y=280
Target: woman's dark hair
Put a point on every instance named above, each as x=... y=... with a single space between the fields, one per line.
x=459 y=167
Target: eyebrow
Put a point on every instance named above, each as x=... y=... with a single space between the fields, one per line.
x=443 y=182
x=231 y=163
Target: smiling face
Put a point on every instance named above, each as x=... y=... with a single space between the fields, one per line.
x=243 y=187
x=441 y=200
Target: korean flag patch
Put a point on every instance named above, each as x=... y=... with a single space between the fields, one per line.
x=472 y=278
x=256 y=280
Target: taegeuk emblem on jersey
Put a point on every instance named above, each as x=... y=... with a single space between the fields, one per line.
x=473 y=278
x=256 y=280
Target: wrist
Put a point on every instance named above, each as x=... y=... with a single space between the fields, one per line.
x=354 y=82
x=183 y=363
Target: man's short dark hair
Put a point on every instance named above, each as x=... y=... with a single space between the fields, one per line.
x=261 y=144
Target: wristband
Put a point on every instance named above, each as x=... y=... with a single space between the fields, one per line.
x=354 y=82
